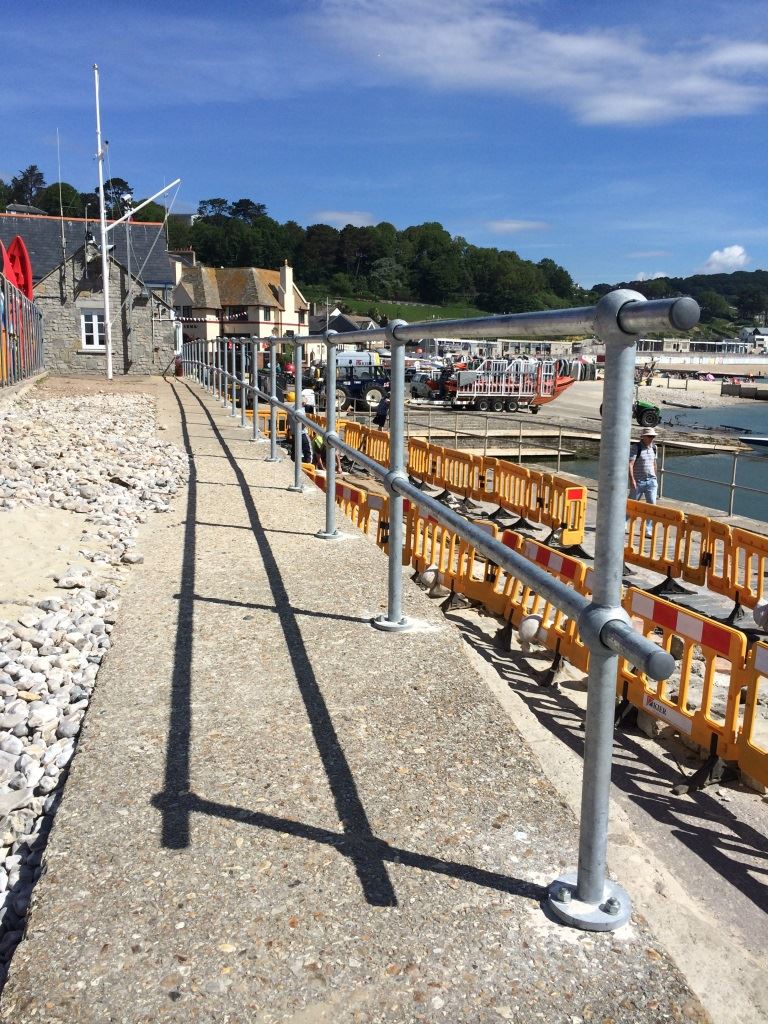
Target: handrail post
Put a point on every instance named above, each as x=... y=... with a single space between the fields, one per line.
x=394 y=620
x=732 y=488
x=586 y=898
x=298 y=426
x=215 y=362
x=254 y=382
x=242 y=383
x=662 y=459
x=233 y=366
x=330 y=532
x=273 y=456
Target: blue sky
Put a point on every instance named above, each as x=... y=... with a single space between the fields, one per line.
x=620 y=139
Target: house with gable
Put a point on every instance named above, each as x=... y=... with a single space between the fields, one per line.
x=214 y=302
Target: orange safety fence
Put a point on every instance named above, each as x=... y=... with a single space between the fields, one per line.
x=282 y=422
x=701 y=699
x=510 y=485
x=753 y=736
x=720 y=559
x=422 y=460
x=556 y=632
x=655 y=538
x=428 y=544
x=749 y=565
x=568 y=510
x=476 y=573
x=696 y=552
x=377 y=445
x=354 y=435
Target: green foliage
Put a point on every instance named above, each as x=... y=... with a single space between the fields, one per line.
x=71 y=200
x=27 y=185
x=152 y=212
x=5 y=195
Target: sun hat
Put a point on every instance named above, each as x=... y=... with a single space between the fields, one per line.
x=648 y=432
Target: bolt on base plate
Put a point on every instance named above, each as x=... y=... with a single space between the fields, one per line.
x=383 y=623
x=299 y=490
x=613 y=911
x=324 y=535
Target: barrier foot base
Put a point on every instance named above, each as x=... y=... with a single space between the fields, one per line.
x=422 y=485
x=415 y=577
x=522 y=524
x=503 y=638
x=669 y=588
x=576 y=551
x=737 y=614
x=400 y=626
x=713 y=771
x=613 y=911
x=626 y=715
x=502 y=517
x=454 y=601
x=469 y=505
x=549 y=676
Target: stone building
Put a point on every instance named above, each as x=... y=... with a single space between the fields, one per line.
x=71 y=299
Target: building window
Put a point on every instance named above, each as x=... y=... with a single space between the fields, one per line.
x=267 y=313
x=302 y=317
x=92 y=330
x=236 y=311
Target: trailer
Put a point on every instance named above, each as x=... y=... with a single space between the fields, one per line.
x=499 y=385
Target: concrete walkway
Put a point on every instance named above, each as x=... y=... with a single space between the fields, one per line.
x=277 y=813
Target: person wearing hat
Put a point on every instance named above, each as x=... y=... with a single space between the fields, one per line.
x=642 y=471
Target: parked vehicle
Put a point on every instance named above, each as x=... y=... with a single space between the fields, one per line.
x=499 y=385
x=645 y=413
x=366 y=383
x=424 y=385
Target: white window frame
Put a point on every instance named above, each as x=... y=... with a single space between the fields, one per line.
x=88 y=314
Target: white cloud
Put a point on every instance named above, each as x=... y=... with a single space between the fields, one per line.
x=511 y=227
x=723 y=261
x=340 y=218
x=605 y=76
x=642 y=276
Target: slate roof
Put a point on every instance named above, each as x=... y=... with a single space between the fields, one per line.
x=217 y=287
x=42 y=237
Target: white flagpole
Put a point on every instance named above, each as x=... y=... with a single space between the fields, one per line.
x=103 y=218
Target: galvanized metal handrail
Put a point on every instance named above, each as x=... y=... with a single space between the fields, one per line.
x=585 y=898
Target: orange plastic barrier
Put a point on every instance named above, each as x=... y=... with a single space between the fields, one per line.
x=461 y=473
x=475 y=573
x=710 y=717
x=662 y=550
x=353 y=435
x=430 y=544
x=282 y=422
x=567 y=510
x=510 y=485
x=423 y=460
x=749 y=565
x=720 y=568
x=557 y=632
x=753 y=737
x=696 y=549
x=377 y=445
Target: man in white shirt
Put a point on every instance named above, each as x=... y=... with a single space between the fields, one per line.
x=308 y=401
x=642 y=471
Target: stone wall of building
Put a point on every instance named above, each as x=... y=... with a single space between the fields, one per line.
x=144 y=347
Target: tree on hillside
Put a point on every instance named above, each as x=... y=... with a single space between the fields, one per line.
x=71 y=200
x=751 y=302
x=114 y=190
x=213 y=209
x=5 y=194
x=152 y=212
x=713 y=306
x=558 y=279
x=27 y=185
x=248 y=211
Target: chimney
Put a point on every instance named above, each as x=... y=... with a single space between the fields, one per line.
x=290 y=319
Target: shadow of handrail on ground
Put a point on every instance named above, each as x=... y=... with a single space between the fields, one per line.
x=370 y=868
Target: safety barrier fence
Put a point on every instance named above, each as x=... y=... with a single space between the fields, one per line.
x=21 y=335
x=715 y=694
x=585 y=898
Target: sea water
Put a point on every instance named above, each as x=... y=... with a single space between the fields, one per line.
x=705 y=478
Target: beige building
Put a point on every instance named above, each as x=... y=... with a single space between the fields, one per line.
x=214 y=302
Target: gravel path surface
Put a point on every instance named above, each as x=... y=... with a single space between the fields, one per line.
x=277 y=813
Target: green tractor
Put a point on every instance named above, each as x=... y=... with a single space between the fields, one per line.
x=646 y=413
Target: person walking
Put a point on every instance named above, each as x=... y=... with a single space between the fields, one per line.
x=642 y=471
x=382 y=411
x=308 y=401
